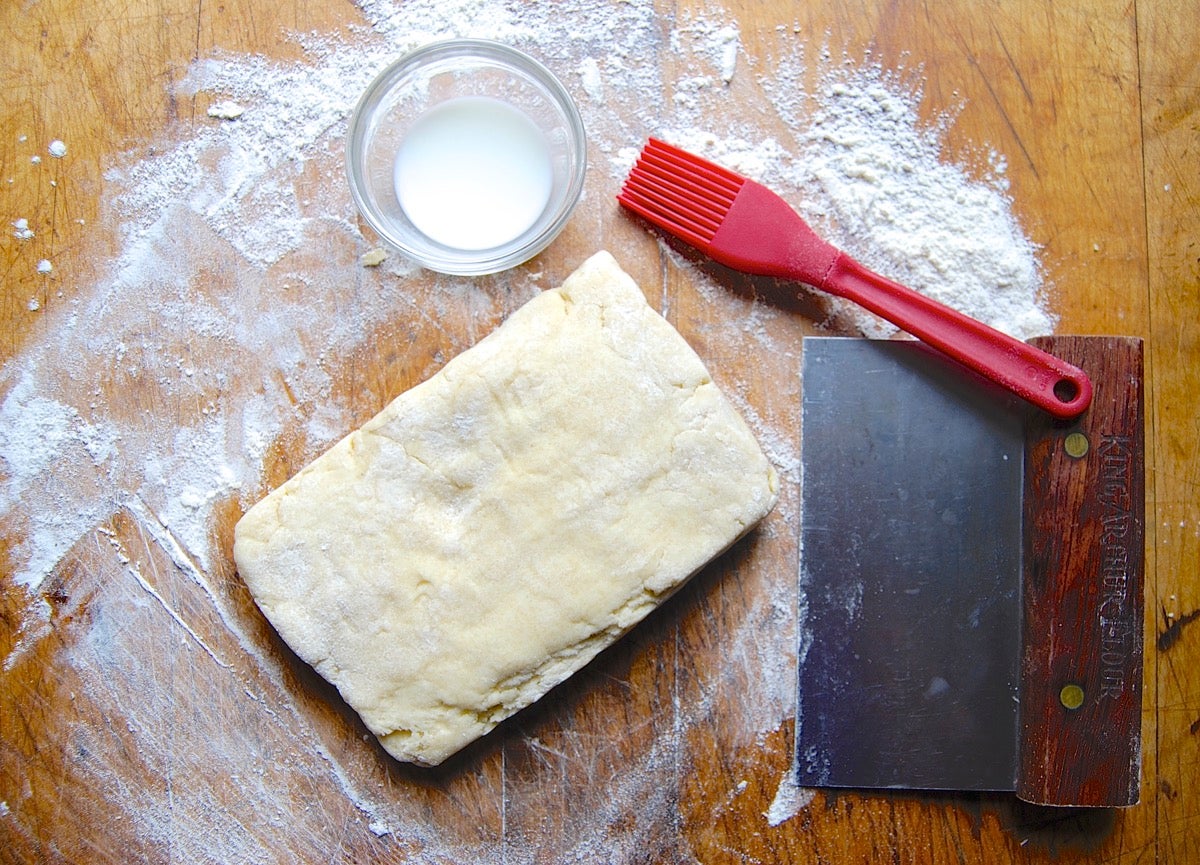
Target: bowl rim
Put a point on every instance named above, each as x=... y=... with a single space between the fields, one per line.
x=490 y=260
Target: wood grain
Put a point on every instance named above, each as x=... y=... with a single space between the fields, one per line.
x=149 y=714
x=1170 y=111
x=1085 y=529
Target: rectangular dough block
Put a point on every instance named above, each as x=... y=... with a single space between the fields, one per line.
x=496 y=526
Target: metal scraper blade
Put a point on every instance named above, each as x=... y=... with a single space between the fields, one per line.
x=911 y=544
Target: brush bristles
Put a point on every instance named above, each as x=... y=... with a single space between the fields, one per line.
x=680 y=192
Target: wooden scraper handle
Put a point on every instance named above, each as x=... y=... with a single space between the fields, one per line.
x=1081 y=676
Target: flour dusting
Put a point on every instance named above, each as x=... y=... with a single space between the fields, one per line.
x=118 y=409
x=887 y=198
x=21 y=229
x=790 y=799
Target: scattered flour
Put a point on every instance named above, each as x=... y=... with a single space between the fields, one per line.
x=719 y=41
x=21 y=229
x=225 y=110
x=110 y=409
x=590 y=79
x=790 y=799
x=883 y=193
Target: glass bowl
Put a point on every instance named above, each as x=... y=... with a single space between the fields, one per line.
x=466 y=156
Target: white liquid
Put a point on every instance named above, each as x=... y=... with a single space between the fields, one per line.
x=473 y=173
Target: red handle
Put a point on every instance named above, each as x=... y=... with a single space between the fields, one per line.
x=1058 y=387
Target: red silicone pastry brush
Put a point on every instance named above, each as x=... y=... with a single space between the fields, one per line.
x=746 y=226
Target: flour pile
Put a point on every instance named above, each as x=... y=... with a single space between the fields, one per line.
x=254 y=191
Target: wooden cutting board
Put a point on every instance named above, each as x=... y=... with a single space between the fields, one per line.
x=147 y=711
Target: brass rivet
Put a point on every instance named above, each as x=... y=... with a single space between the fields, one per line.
x=1076 y=445
x=1071 y=696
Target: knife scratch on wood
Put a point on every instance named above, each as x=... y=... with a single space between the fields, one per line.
x=132 y=569
x=1174 y=631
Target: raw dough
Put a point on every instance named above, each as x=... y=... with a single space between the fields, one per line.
x=495 y=527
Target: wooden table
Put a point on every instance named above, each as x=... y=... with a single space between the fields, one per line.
x=148 y=712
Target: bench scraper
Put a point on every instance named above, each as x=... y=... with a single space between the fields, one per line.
x=971 y=577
